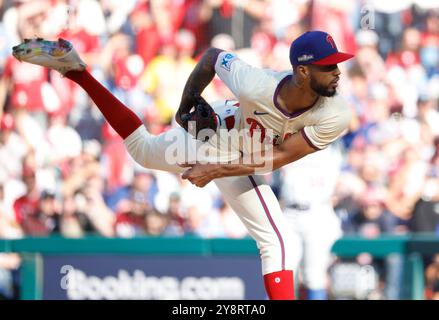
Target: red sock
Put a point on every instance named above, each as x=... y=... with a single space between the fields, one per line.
x=280 y=285
x=122 y=119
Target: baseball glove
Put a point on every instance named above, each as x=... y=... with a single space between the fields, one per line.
x=202 y=122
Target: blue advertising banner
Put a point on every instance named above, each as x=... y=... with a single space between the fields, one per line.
x=124 y=277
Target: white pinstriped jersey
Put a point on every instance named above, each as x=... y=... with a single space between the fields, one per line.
x=257 y=90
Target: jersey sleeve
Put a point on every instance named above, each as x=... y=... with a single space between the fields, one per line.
x=329 y=128
x=240 y=77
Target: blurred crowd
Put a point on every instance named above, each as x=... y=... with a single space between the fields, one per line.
x=64 y=171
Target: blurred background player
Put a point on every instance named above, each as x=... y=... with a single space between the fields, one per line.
x=308 y=186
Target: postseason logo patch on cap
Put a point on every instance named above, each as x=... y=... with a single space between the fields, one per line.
x=305 y=57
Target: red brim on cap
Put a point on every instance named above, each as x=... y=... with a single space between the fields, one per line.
x=333 y=59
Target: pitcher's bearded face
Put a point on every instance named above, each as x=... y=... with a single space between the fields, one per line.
x=324 y=79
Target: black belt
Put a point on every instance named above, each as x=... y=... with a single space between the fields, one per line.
x=298 y=206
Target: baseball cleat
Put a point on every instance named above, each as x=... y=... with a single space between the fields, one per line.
x=58 y=55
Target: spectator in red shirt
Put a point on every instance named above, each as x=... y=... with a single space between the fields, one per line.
x=46 y=219
x=147 y=37
x=27 y=85
x=27 y=205
x=131 y=218
x=408 y=55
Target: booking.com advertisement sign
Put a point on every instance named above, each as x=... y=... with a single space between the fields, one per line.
x=102 y=277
